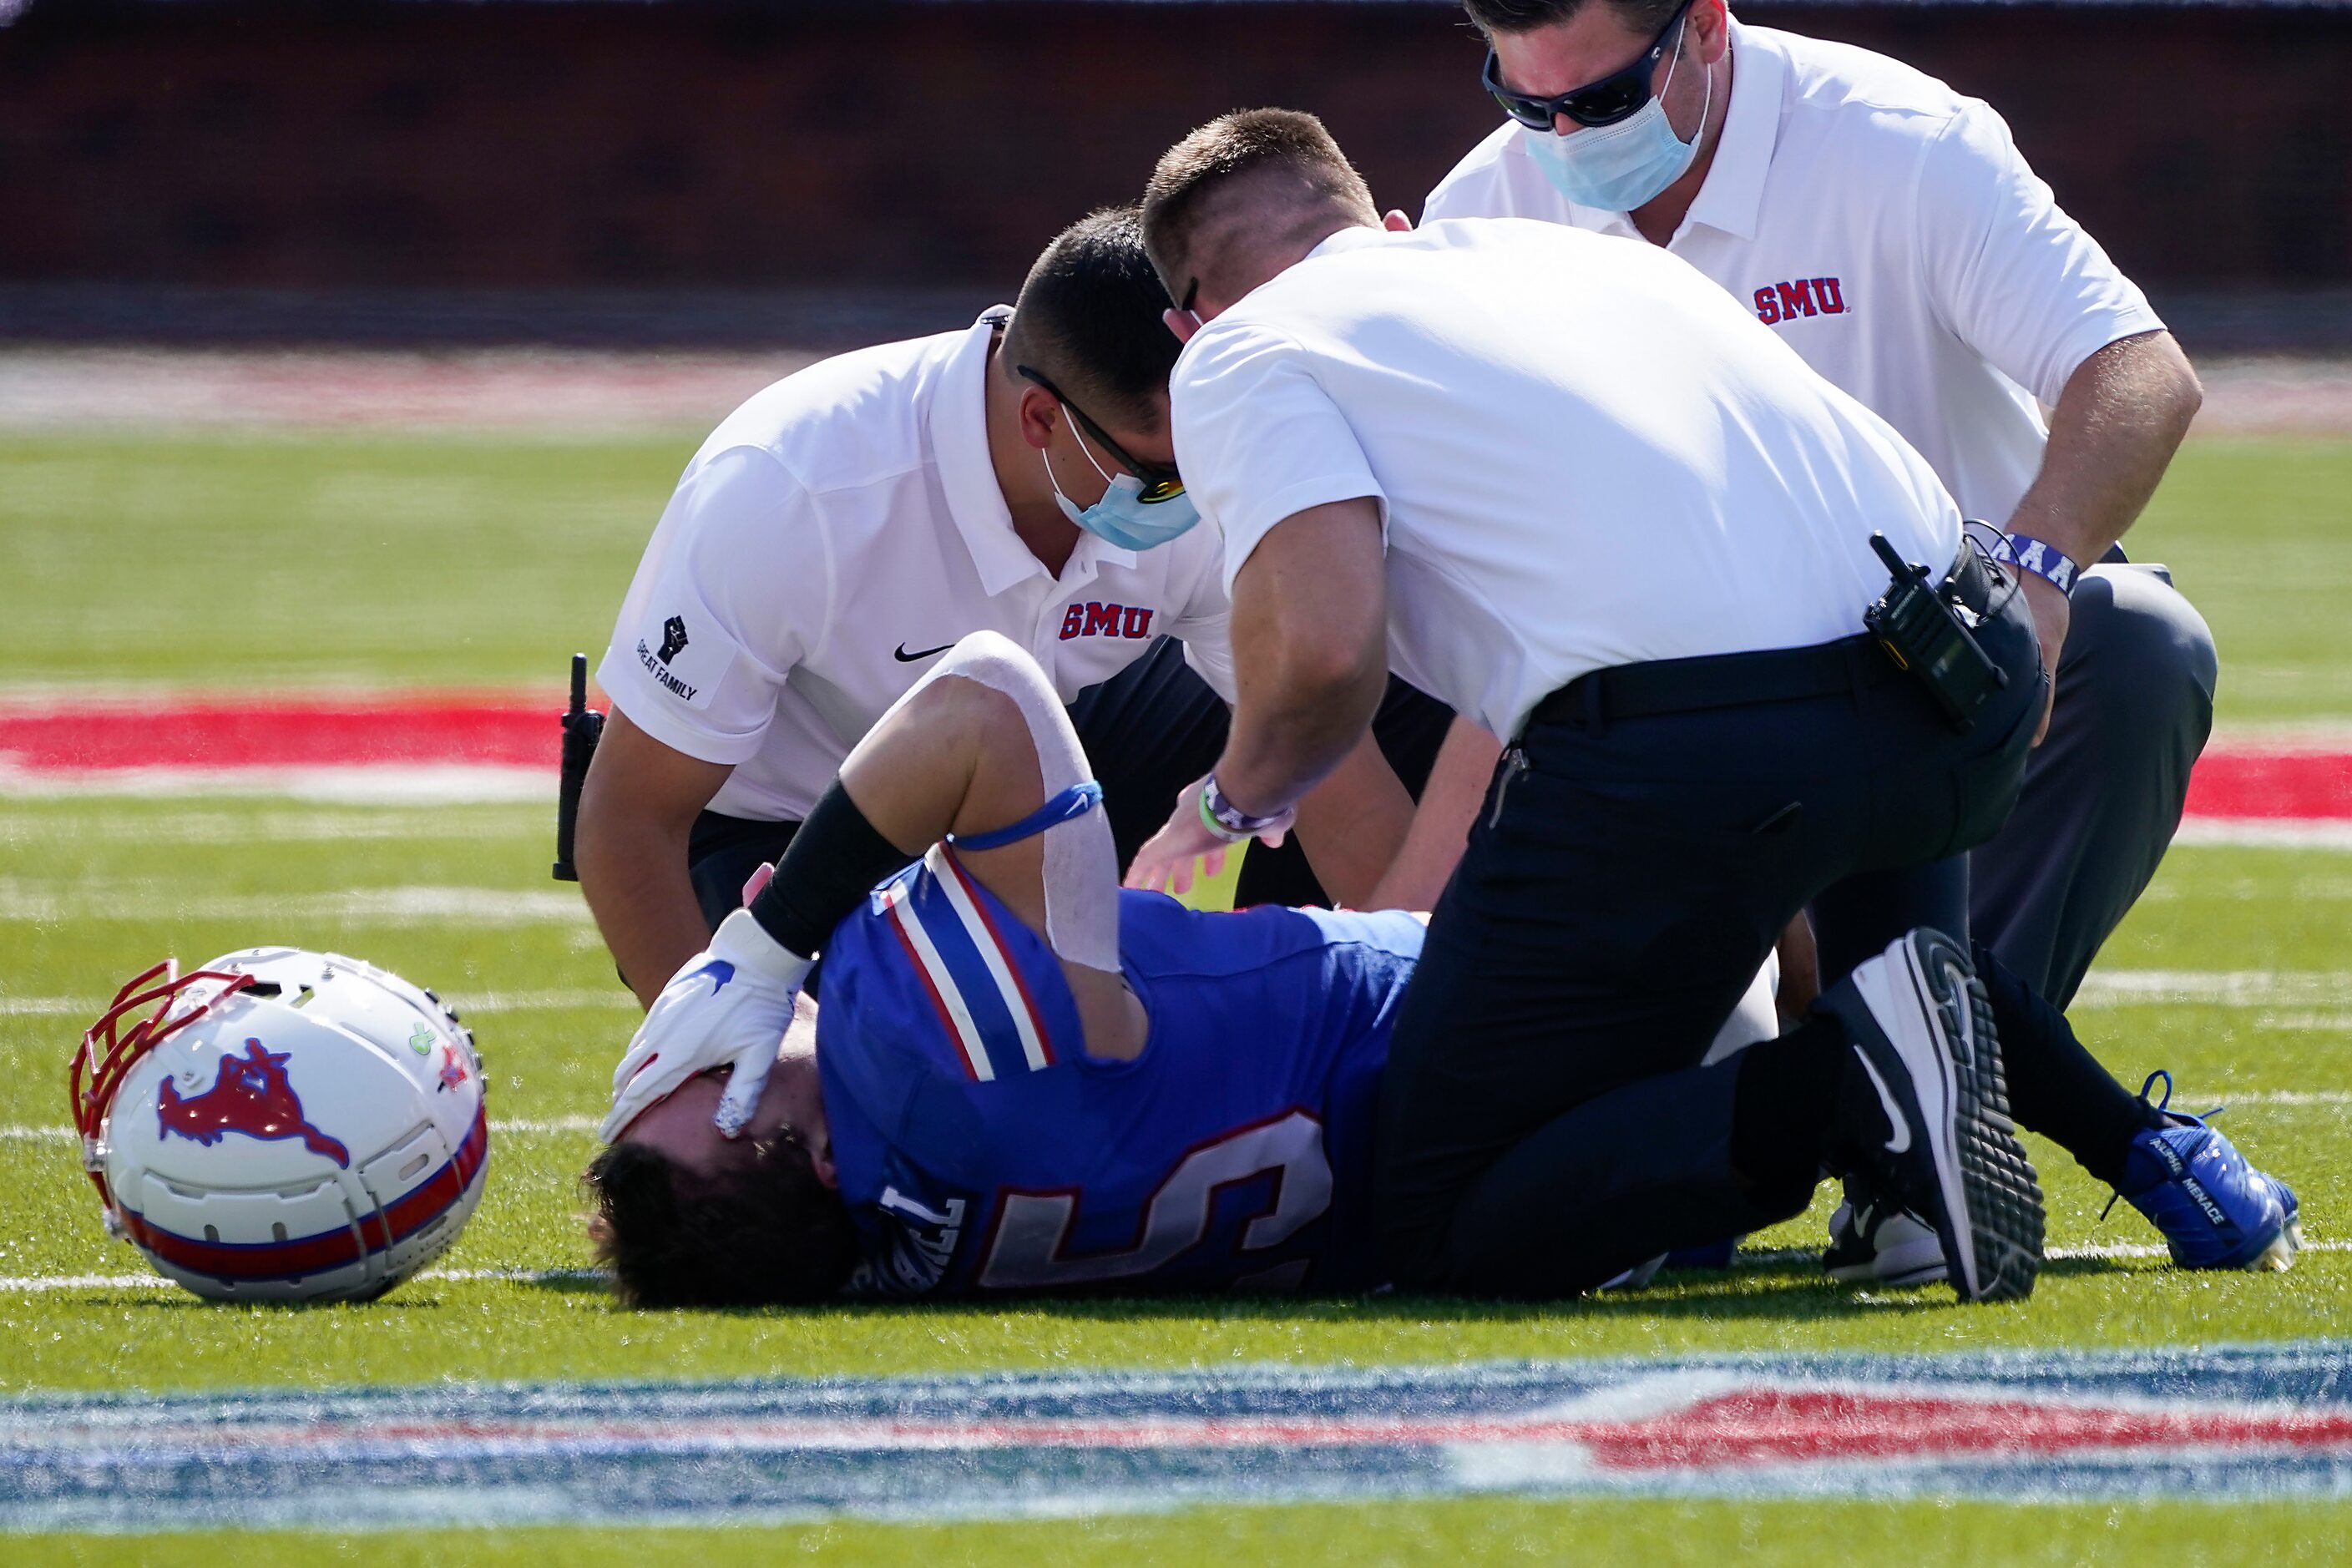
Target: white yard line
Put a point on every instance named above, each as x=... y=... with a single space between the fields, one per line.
x=1781 y=1258
x=2264 y=833
x=2304 y=988
x=511 y=1126
x=2217 y=987
x=38 y=1282
x=545 y=1126
x=374 y=785
x=48 y=903
x=264 y=825
x=466 y=1006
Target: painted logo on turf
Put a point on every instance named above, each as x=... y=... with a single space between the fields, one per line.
x=2218 y=1426
x=250 y=1095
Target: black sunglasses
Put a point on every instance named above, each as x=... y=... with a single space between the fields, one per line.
x=1614 y=98
x=1160 y=480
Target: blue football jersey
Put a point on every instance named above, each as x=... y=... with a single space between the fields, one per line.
x=981 y=1148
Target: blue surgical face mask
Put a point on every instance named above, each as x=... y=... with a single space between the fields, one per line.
x=1123 y=517
x=1619 y=167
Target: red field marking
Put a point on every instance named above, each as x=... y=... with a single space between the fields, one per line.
x=361 y=731
x=2274 y=783
x=2262 y=782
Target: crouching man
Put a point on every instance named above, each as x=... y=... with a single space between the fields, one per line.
x=1019 y=1078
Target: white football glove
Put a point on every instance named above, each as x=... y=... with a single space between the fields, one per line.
x=728 y=1007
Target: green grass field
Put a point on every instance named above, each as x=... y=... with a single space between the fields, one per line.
x=405 y=560
x=245 y=563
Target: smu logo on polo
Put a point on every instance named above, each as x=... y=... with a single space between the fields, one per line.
x=1799 y=297
x=1093 y=620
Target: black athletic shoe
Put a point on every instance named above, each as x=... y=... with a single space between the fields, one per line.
x=1925 y=1056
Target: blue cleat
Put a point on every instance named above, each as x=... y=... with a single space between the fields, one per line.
x=2214 y=1209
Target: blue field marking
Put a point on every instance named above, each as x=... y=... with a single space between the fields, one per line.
x=2224 y=1423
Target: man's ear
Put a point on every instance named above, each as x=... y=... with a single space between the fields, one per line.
x=1395 y=222
x=1038 y=411
x=1184 y=323
x=821 y=1162
x=1711 y=27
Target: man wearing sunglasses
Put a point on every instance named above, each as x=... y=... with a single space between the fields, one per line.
x=1887 y=229
x=841 y=531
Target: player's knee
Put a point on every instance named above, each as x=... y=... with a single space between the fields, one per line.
x=974 y=719
x=775 y=1234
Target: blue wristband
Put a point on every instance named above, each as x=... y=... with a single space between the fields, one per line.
x=2044 y=560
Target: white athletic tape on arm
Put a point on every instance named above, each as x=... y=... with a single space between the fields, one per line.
x=1081 y=862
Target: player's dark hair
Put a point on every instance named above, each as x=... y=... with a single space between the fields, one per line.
x=773 y=1234
x=1187 y=194
x=1088 y=320
x=1526 y=15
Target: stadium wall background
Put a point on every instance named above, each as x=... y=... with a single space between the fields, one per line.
x=364 y=145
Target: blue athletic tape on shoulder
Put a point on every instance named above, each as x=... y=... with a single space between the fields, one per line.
x=1074 y=801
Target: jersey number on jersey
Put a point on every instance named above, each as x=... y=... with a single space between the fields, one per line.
x=1035 y=1228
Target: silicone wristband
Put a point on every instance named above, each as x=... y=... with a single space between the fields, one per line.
x=2044 y=560
x=1221 y=818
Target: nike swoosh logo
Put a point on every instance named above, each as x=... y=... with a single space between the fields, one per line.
x=903 y=657
x=725 y=971
x=1902 y=1139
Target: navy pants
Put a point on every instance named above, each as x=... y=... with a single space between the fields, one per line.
x=2103 y=794
x=1545 y=1122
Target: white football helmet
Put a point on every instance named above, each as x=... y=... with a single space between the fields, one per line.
x=283 y=1125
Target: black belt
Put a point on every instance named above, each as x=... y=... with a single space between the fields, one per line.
x=1738 y=680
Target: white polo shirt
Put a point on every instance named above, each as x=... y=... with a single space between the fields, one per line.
x=832 y=537
x=1623 y=468
x=1887 y=229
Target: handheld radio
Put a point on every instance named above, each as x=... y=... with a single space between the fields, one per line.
x=582 y=727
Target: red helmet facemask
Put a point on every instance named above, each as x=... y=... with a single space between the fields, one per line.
x=106 y=1054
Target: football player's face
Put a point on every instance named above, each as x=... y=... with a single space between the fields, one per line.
x=680 y=1126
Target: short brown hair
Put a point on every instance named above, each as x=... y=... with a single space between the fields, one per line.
x=1088 y=320
x=775 y=1235
x=1526 y=15
x=1186 y=196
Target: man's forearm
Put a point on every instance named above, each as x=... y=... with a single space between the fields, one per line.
x=1310 y=652
x=2112 y=435
x=1353 y=824
x=634 y=876
x=1450 y=804
x=1281 y=748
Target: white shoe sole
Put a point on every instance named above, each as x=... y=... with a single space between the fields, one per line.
x=1934 y=1013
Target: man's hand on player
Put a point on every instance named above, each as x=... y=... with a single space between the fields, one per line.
x=728 y=1007
x=2054 y=613
x=1166 y=862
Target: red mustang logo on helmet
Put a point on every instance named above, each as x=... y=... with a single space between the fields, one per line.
x=251 y=1095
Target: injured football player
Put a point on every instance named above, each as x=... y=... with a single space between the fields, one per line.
x=1016 y=1076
